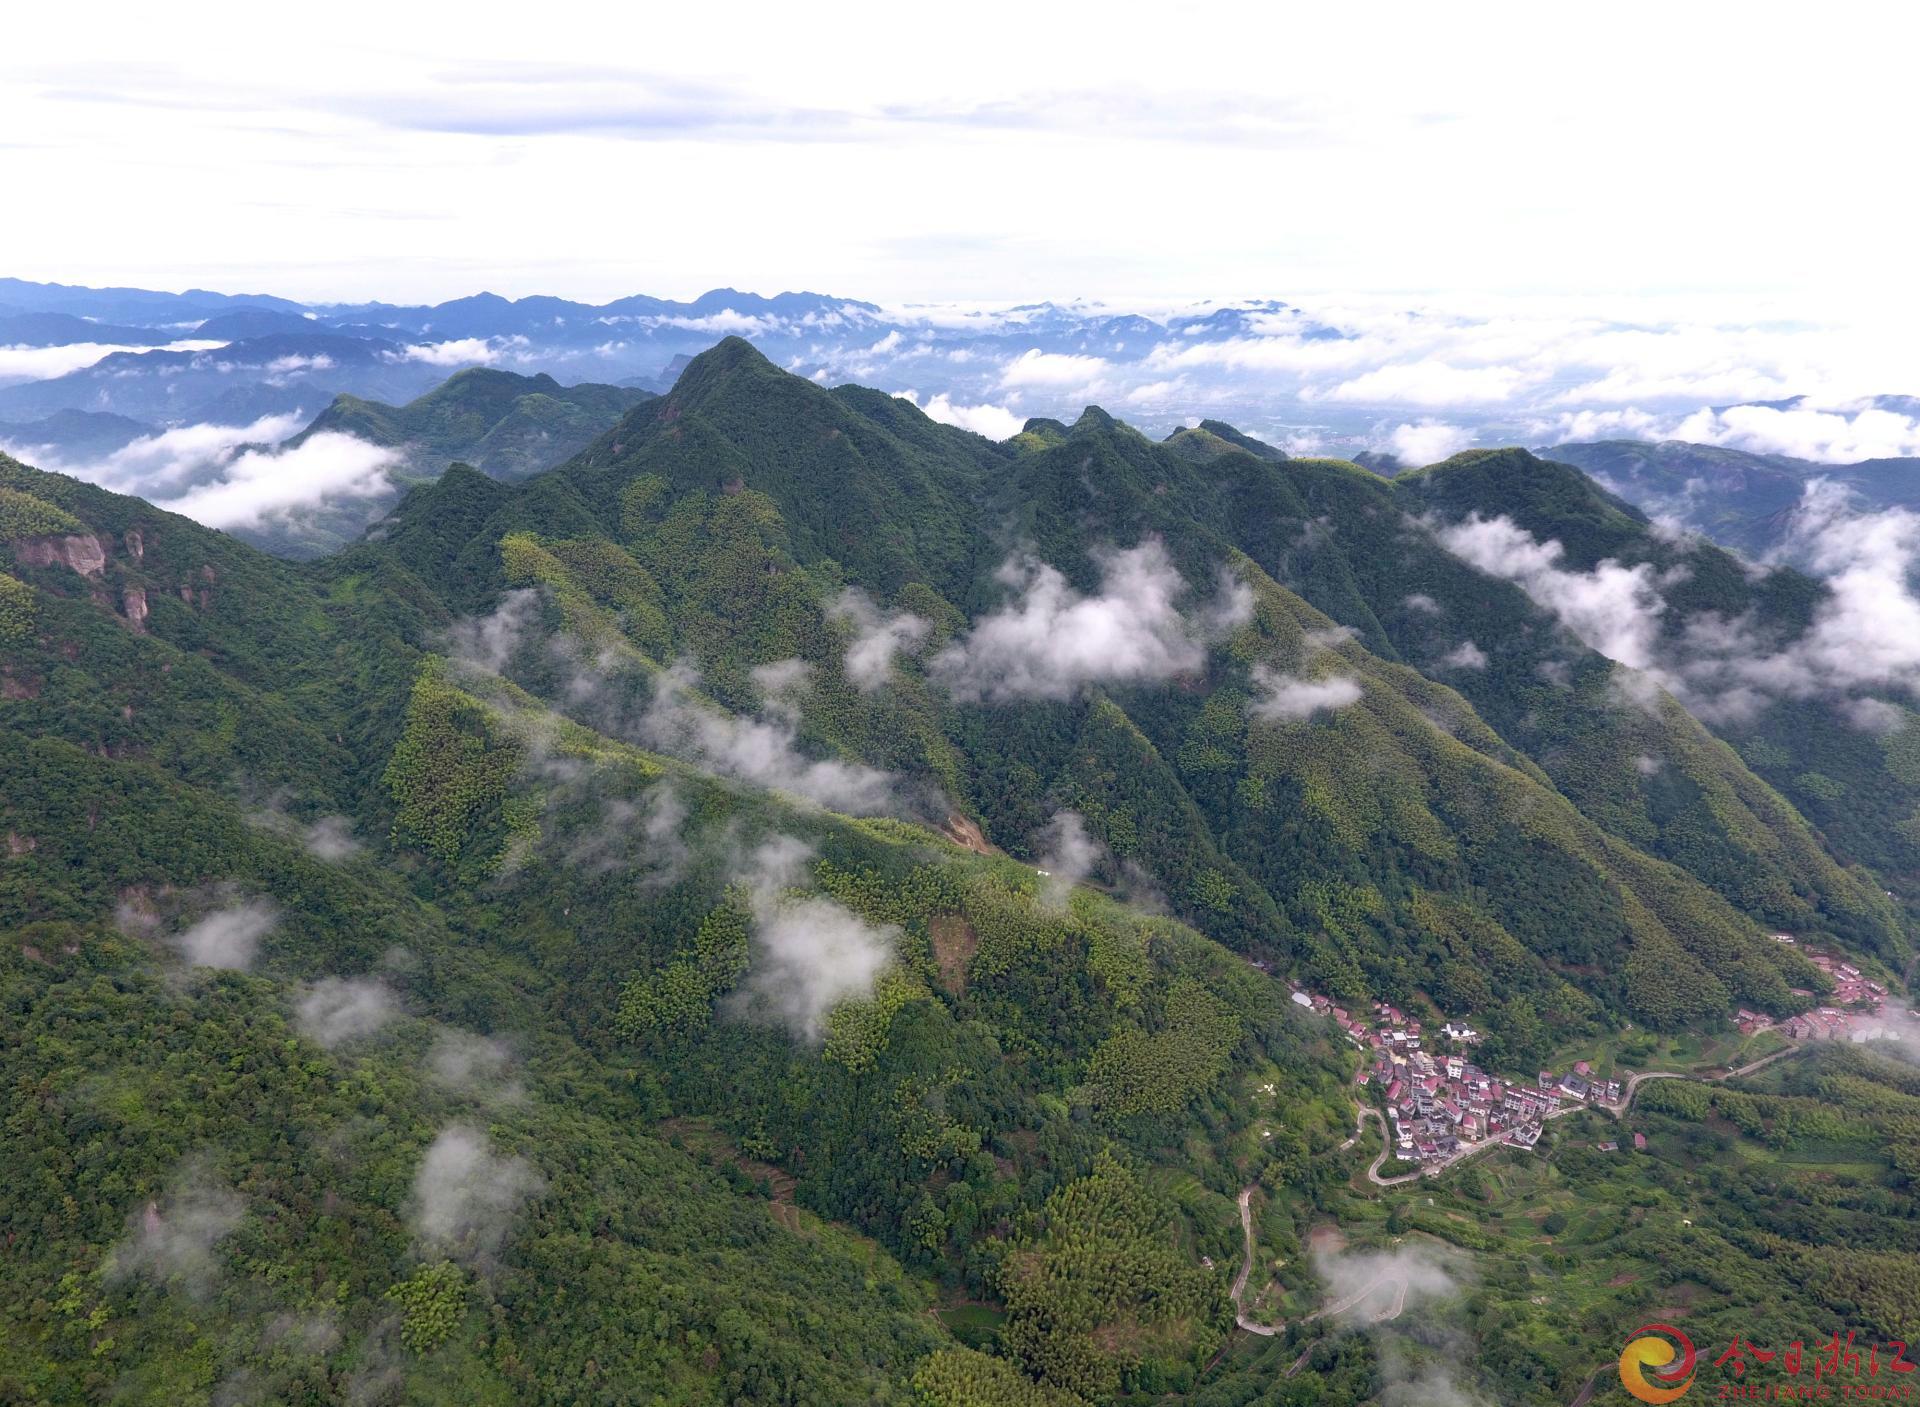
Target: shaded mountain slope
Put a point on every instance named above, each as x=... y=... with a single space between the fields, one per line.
x=659 y=846
x=1740 y=499
x=679 y=494
x=506 y=425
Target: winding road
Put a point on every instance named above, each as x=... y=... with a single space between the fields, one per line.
x=1239 y=1291
x=1338 y=1307
x=1363 y=1112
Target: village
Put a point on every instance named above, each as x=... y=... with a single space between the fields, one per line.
x=1442 y=1105
x=1439 y=1101
x=1853 y=1012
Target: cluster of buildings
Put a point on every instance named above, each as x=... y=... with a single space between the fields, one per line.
x=1852 y=1013
x=1440 y=1103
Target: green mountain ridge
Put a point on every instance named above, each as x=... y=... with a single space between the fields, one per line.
x=542 y=803
x=1741 y=499
x=509 y=426
x=505 y=424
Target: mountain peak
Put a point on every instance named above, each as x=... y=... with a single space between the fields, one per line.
x=725 y=360
x=1245 y=441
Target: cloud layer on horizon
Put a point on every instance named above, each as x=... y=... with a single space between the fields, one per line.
x=231 y=476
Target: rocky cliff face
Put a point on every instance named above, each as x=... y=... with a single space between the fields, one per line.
x=85 y=553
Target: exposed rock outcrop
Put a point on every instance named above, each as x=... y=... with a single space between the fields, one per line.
x=82 y=552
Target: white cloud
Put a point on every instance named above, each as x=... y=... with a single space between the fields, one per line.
x=1465 y=655
x=1051 y=641
x=172 y=1238
x=473 y=1064
x=1631 y=423
x=1826 y=436
x=878 y=637
x=1231 y=607
x=486 y=643
x=1034 y=369
x=465 y=1196
x=459 y=351
x=809 y=953
x=165 y=464
x=781 y=681
x=1066 y=855
x=219 y=475
x=262 y=484
x=643 y=837
x=1415 y=1275
x=1427 y=442
x=1874 y=716
x=336 y=1010
x=331 y=839
x=1432 y=384
x=1865 y=634
x=43 y=363
x=228 y=938
x=1843 y=433
x=1613 y=608
x=726 y=322
x=676 y=719
x=995 y=422
x=1286 y=698
x=297 y=362
x=761 y=750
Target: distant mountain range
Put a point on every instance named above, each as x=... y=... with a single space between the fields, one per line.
x=94 y=371
x=797 y=902
x=1739 y=499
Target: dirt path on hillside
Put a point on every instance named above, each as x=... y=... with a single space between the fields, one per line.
x=1362 y=1113
x=1338 y=1307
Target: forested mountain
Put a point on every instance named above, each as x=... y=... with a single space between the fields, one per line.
x=790 y=905
x=1740 y=499
x=75 y=432
x=507 y=425
x=501 y=423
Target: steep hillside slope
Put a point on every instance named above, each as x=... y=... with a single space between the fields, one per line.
x=504 y=424
x=790 y=905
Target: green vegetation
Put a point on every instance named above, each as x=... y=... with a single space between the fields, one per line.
x=504 y=424
x=1771 y=1211
x=509 y=846
x=17 y=612
x=450 y=770
x=433 y=1298
x=23 y=515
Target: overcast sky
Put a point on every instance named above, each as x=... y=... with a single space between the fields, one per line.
x=1717 y=154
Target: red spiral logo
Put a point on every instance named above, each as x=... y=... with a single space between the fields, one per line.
x=1665 y=1351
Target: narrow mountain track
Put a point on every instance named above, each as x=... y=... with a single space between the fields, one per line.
x=1239 y=1291
x=1364 y=1112
x=1338 y=1307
